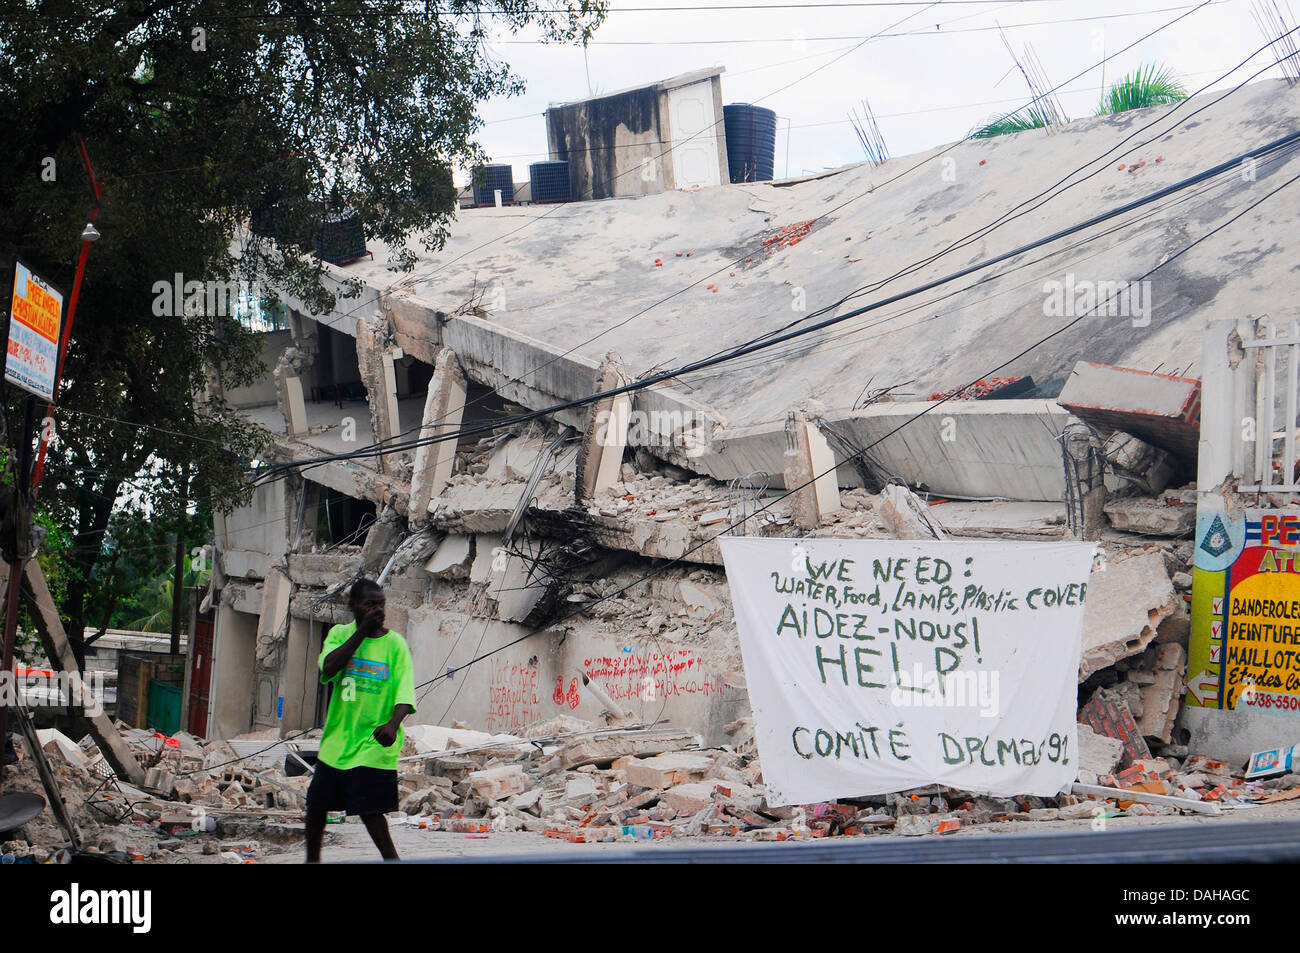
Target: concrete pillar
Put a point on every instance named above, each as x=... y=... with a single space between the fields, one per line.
x=392 y=355
x=306 y=338
x=382 y=537
x=1085 y=476
x=443 y=411
x=300 y=677
x=376 y=366
x=808 y=455
x=601 y=455
x=289 y=397
x=273 y=620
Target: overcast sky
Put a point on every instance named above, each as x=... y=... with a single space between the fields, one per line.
x=928 y=86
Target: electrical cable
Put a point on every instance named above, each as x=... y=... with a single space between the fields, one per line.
x=410 y=279
x=931 y=407
x=768 y=342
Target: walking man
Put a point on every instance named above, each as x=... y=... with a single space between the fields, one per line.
x=369 y=667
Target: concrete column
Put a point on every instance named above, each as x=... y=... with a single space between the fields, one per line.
x=306 y=338
x=392 y=355
x=443 y=411
x=808 y=455
x=376 y=366
x=382 y=537
x=1090 y=467
x=601 y=455
x=289 y=398
x=300 y=677
x=273 y=620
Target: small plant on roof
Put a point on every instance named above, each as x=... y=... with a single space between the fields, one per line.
x=1020 y=121
x=1151 y=85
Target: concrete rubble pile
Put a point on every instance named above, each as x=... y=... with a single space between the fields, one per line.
x=193 y=808
x=617 y=779
x=633 y=783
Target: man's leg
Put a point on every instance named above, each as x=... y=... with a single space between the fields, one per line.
x=315 y=833
x=377 y=828
x=320 y=793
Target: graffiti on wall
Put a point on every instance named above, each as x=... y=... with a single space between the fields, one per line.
x=512 y=695
x=652 y=677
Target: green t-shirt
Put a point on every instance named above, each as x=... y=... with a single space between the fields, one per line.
x=376 y=678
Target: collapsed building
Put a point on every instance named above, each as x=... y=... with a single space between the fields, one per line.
x=572 y=551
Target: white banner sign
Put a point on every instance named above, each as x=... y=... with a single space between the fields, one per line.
x=881 y=665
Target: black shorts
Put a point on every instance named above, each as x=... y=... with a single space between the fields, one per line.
x=358 y=791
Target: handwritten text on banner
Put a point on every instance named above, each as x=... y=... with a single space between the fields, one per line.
x=881 y=665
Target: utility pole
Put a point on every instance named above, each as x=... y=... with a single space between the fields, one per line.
x=178 y=571
x=88 y=235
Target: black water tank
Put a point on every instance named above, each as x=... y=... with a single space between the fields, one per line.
x=489 y=178
x=751 y=142
x=549 y=181
x=342 y=239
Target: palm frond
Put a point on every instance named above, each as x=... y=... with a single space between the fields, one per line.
x=1151 y=85
x=1015 y=122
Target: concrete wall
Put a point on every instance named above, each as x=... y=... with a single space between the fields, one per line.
x=250 y=537
x=522 y=683
x=622 y=144
x=967 y=449
x=231 y=700
x=262 y=391
x=608 y=142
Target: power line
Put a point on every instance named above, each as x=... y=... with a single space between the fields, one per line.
x=597 y=43
x=986 y=230
x=411 y=279
x=771 y=341
x=929 y=408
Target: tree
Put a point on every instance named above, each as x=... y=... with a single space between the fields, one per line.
x=200 y=119
x=1150 y=85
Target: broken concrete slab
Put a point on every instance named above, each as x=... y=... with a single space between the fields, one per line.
x=1160 y=697
x=668 y=770
x=1000 y=519
x=906 y=516
x=1151 y=517
x=604 y=749
x=432 y=738
x=452 y=558
x=499 y=782
x=1126 y=603
x=1161 y=409
x=1099 y=754
x=1136 y=463
x=690 y=796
